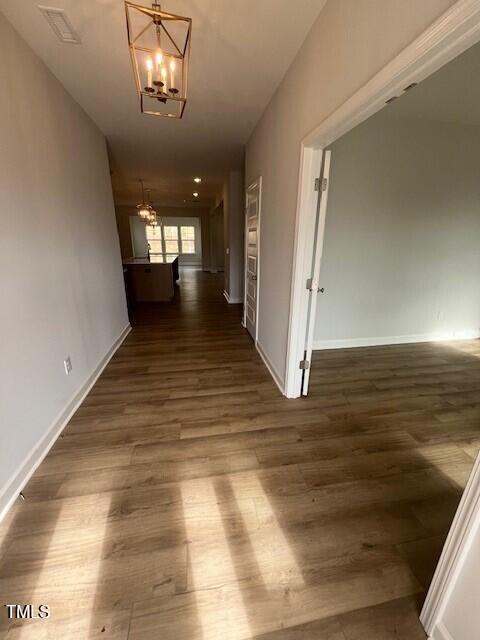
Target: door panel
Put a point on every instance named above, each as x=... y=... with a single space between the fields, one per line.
x=251 y=258
x=315 y=273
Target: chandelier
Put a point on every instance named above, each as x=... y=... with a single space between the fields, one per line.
x=152 y=219
x=159 y=45
x=144 y=208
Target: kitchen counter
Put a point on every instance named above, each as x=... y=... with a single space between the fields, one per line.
x=151 y=280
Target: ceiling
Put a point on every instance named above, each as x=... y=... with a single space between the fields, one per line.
x=451 y=94
x=240 y=51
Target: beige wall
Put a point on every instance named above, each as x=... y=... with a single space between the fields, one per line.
x=350 y=41
x=61 y=278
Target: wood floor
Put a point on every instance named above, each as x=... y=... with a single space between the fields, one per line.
x=188 y=500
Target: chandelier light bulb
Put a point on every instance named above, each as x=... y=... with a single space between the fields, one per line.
x=172 y=76
x=195 y=194
x=197 y=180
x=158 y=67
x=149 y=65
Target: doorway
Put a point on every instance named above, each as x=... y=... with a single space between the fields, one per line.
x=437 y=46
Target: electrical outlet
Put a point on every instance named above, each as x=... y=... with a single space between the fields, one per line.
x=67 y=363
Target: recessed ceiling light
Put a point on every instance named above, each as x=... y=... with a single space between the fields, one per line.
x=197 y=180
x=195 y=194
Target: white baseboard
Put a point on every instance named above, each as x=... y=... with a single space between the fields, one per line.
x=319 y=345
x=38 y=453
x=230 y=299
x=440 y=632
x=277 y=378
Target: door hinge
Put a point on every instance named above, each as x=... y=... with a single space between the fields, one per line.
x=321 y=184
x=304 y=364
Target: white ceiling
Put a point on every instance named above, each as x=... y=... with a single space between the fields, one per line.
x=452 y=94
x=240 y=51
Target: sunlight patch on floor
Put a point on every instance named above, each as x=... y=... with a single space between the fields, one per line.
x=68 y=582
x=273 y=553
x=210 y=563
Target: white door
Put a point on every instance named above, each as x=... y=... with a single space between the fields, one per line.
x=252 y=237
x=314 y=285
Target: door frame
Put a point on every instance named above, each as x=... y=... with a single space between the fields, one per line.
x=457 y=545
x=257 y=183
x=451 y=34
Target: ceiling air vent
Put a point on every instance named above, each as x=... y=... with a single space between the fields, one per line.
x=59 y=22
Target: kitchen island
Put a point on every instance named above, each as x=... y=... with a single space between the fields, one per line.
x=151 y=280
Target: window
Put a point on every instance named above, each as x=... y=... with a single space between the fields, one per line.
x=187 y=235
x=168 y=241
x=170 y=236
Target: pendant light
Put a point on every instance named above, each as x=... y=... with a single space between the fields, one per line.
x=144 y=208
x=159 y=44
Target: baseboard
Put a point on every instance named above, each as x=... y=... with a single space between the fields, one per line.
x=230 y=299
x=38 y=453
x=319 y=345
x=271 y=369
x=440 y=632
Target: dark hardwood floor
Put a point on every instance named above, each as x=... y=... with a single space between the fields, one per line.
x=188 y=500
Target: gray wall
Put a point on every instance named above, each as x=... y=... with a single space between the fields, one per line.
x=60 y=271
x=234 y=222
x=138 y=237
x=350 y=41
x=217 y=247
x=401 y=259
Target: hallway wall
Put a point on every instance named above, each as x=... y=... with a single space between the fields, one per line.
x=234 y=222
x=217 y=240
x=61 y=275
x=350 y=42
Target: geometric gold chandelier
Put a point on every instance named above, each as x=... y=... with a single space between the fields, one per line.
x=144 y=207
x=159 y=46
x=145 y=210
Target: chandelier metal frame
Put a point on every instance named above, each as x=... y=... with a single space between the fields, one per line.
x=181 y=53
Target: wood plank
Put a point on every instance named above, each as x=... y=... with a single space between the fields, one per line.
x=188 y=499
